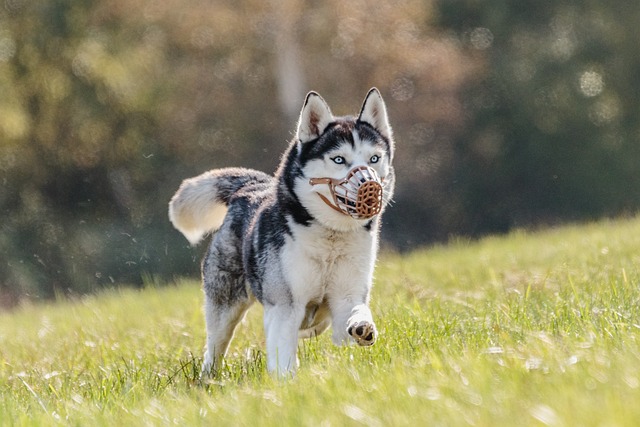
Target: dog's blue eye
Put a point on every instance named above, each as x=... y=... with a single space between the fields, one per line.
x=374 y=159
x=338 y=160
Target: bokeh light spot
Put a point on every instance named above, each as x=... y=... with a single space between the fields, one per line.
x=591 y=83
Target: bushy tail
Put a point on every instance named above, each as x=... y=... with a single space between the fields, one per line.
x=200 y=204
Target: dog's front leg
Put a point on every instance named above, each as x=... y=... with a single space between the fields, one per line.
x=281 y=324
x=353 y=321
x=361 y=327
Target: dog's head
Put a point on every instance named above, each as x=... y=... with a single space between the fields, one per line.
x=346 y=174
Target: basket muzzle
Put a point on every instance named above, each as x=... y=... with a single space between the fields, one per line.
x=358 y=195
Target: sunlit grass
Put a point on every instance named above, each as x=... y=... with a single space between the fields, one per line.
x=528 y=329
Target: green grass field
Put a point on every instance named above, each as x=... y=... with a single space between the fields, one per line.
x=528 y=329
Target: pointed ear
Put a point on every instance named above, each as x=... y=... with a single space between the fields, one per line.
x=314 y=118
x=374 y=112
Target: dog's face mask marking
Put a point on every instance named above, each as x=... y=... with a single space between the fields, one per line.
x=358 y=195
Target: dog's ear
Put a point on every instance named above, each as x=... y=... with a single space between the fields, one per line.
x=314 y=118
x=374 y=112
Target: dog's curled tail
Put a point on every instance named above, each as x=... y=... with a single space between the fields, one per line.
x=200 y=204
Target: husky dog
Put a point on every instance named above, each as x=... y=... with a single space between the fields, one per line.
x=303 y=242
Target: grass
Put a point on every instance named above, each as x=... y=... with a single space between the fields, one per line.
x=528 y=329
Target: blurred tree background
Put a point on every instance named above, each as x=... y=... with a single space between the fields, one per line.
x=506 y=114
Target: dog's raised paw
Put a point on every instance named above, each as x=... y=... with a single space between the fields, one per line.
x=363 y=332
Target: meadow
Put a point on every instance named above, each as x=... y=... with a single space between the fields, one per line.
x=528 y=329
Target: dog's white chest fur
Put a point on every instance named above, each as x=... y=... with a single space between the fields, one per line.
x=318 y=262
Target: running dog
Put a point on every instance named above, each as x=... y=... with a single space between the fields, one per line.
x=302 y=242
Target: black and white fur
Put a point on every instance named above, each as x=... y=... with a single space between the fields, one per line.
x=278 y=242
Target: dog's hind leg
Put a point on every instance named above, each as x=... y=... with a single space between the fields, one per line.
x=226 y=296
x=315 y=330
x=221 y=322
x=316 y=320
x=226 y=300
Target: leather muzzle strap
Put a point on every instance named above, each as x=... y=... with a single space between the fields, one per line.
x=328 y=181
